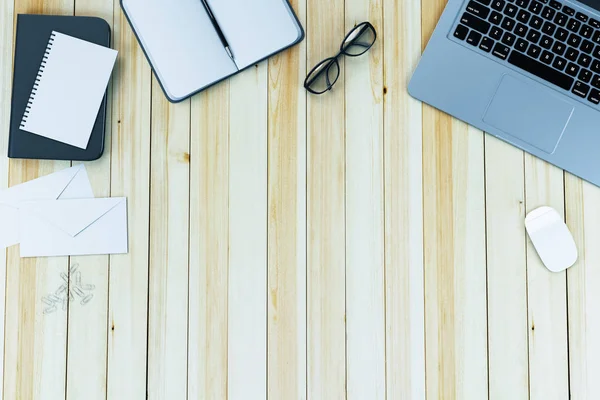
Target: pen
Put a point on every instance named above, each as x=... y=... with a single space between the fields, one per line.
x=218 y=29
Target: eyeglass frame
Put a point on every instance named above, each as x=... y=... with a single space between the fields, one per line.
x=334 y=60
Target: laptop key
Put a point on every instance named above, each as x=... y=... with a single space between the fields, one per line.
x=546 y=42
x=548 y=28
x=478 y=9
x=559 y=63
x=521 y=45
x=596 y=81
x=523 y=16
x=584 y=60
x=501 y=51
x=523 y=3
x=582 y=17
x=561 y=34
x=585 y=75
x=587 y=47
x=486 y=44
x=461 y=32
x=495 y=18
x=596 y=37
x=548 y=13
x=581 y=89
x=596 y=66
x=561 y=19
x=510 y=10
x=533 y=36
x=496 y=33
x=534 y=51
x=597 y=52
x=573 y=25
x=595 y=23
x=535 y=7
x=540 y=70
x=536 y=22
x=475 y=23
x=569 y=11
x=498 y=5
x=508 y=24
x=574 y=40
x=508 y=39
x=571 y=54
x=572 y=69
x=586 y=31
x=521 y=30
x=559 y=48
x=555 y=4
x=547 y=57
x=594 y=96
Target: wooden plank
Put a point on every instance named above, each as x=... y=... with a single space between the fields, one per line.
x=365 y=286
x=87 y=339
x=325 y=211
x=35 y=342
x=583 y=218
x=405 y=314
x=546 y=293
x=128 y=277
x=507 y=270
x=454 y=240
x=247 y=303
x=287 y=222
x=209 y=241
x=6 y=63
x=169 y=229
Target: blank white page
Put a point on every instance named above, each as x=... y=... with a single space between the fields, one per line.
x=66 y=98
x=256 y=29
x=181 y=43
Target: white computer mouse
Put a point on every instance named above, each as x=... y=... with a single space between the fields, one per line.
x=551 y=238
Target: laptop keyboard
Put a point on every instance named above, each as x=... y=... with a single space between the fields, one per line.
x=543 y=37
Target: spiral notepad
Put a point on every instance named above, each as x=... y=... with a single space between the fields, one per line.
x=68 y=90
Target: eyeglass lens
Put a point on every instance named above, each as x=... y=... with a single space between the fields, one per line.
x=359 y=40
x=323 y=76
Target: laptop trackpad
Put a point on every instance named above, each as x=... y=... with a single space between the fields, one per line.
x=529 y=113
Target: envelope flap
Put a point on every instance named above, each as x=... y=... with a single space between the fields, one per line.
x=48 y=187
x=72 y=216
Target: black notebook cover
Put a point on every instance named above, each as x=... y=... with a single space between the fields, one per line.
x=33 y=33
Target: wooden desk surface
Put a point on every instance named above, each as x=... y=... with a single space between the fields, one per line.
x=355 y=245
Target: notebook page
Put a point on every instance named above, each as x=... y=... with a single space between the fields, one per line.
x=181 y=43
x=255 y=29
x=71 y=84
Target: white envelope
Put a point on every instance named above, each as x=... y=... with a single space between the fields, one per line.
x=74 y=227
x=71 y=183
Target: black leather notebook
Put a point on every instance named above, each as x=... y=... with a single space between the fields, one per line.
x=33 y=32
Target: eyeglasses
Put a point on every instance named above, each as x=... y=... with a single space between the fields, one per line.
x=322 y=77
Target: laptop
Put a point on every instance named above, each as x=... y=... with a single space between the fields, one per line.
x=525 y=71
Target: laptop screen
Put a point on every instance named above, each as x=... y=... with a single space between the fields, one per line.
x=592 y=3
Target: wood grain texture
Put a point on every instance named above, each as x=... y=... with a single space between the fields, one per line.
x=454 y=258
x=209 y=241
x=365 y=287
x=583 y=218
x=287 y=357
x=169 y=248
x=247 y=303
x=507 y=271
x=6 y=63
x=36 y=343
x=130 y=165
x=326 y=212
x=403 y=170
x=88 y=317
x=546 y=293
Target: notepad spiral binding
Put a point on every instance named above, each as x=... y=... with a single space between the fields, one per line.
x=38 y=79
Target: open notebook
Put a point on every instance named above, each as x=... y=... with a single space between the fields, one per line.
x=185 y=51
